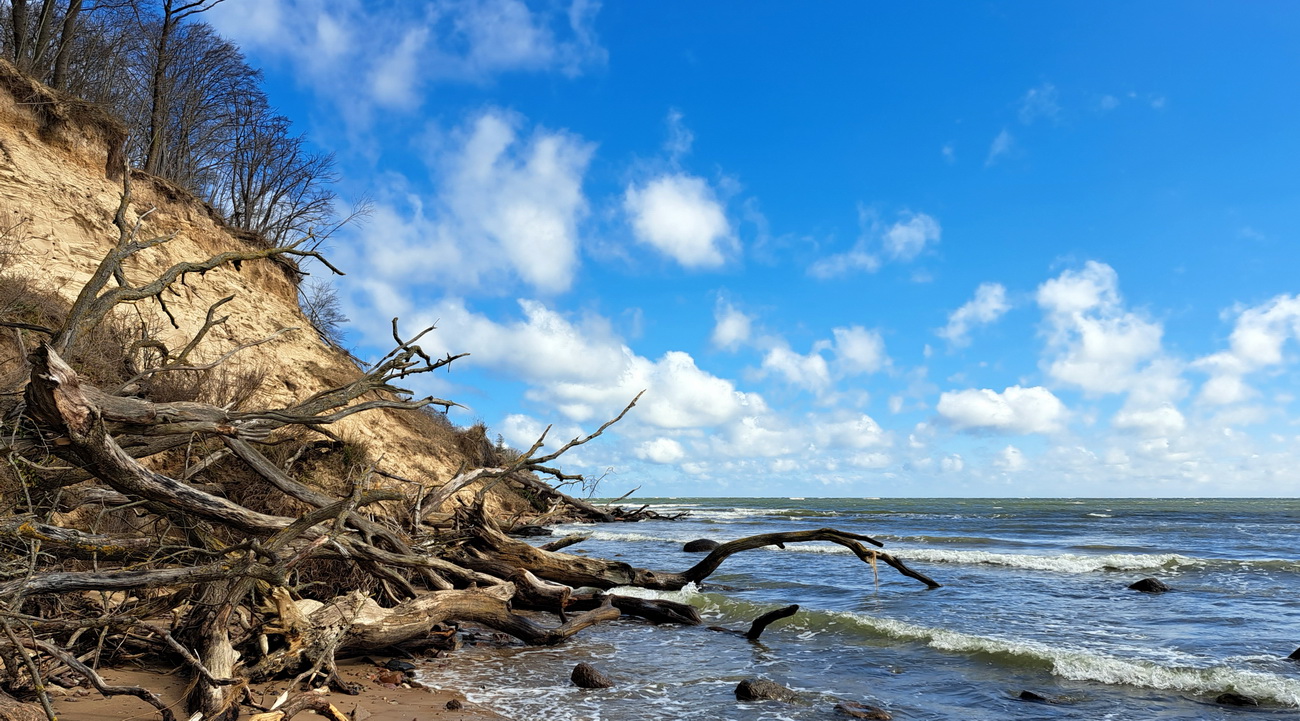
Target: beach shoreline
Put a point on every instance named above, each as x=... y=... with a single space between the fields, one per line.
x=376 y=702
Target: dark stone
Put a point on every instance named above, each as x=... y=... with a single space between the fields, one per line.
x=1150 y=585
x=455 y=705
x=853 y=709
x=1295 y=655
x=758 y=689
x=1235 y=699
x=700 y=545
x=397 y=664
x=586 y=676
x=1033 y=697
x=530 y=531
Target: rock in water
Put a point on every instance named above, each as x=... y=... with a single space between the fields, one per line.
x=1150 y=585
x=1295 y=655
x=853 y=709
x=758 y=689
x=1235 y=699
x=1033 y=697
x=586 y=676
x=700 y=545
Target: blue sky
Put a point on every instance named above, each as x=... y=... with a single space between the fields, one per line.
x=847 y=248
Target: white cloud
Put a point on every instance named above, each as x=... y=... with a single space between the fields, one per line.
x=394 y=80
x=1040 y=102
x=661 y=450
x=508 y=209
x=902 y=241
x=397 y=51
x=508 y=206
x=1000 y=146
x=1096 y=344
x=853 y=432
x=908 y=237
x=1259 y=335
x=806 y=371
x=680 y=216
x=1164 y=420
x=1015 y=410
x=952 y=463
x=1010 y=459
x=731 y=328
x=680 y=137
x=858 y=350
x=989 y=304
x=854 y=350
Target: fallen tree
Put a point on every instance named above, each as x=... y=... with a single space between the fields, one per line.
x=230 y=590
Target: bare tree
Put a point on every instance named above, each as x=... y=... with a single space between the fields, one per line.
x=270 y=182
x=173 y=13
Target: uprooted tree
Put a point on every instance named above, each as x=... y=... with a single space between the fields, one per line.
x=233 y=591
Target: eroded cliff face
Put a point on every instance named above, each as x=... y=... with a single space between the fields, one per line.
x=58 y=195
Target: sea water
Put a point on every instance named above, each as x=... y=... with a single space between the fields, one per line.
x=1035 y=598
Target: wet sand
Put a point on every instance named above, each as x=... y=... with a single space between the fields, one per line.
x=377 y=702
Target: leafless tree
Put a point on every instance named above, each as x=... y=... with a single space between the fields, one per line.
x=173 y=14
x=270 y=182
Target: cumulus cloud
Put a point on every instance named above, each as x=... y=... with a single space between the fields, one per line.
x=680 y=216
x=1094 y=342
x=853 y=350
x=901 y=241
x=581 y=368
x=858 y=350
x=989 y=304
x=509 y=206
x=1010 y=459
x=1015 y=410
x=1163 y=420
x=731 y=327
x=1258 y=338
x=660 y=450
x=810 y=371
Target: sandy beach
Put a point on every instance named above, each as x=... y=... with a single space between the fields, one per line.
x=377 y=702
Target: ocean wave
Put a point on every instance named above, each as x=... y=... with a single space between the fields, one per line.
x=1080 y=665
x=1064 y=563
x=1060 y=563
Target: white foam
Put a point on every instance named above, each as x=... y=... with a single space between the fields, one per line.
x=1064 y=563
x=1080 y=665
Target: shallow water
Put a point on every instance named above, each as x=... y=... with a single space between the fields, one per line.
x=1035 y=598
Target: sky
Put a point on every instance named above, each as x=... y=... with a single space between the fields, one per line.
x=845 y=248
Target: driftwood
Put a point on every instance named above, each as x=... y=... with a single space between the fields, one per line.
x=490 y=548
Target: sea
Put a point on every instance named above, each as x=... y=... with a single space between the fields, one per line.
x=1035 y=599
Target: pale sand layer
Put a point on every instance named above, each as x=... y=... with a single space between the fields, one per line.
x=383 y=704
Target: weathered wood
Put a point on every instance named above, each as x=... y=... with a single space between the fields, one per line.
x=491 y=544
x=761 y=623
